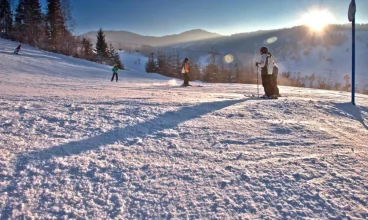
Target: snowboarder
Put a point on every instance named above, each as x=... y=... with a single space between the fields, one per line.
x=275 y=73
x=266 y=73
x=115 y=70
x=185 y=71
x=17 y=49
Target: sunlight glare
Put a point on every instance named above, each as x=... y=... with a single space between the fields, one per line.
x=317 y=20
x=229 y=58
x=271 y=40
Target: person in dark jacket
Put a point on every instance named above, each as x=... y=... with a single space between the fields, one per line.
x=17 y=49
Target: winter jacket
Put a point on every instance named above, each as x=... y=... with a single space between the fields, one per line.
x=185 y=68
x=115 y=69
x=266 y=64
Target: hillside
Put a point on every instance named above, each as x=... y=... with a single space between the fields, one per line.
x=74 y=145
x=125 y=38
x=327 y=54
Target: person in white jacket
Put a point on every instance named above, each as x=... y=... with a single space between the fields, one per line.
x=266 y=65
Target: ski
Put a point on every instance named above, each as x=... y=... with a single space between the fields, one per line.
x=251 y=96
x=192 y=86
x=261 y=97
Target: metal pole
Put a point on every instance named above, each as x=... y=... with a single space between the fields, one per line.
x=257 y=83
x=353 y=65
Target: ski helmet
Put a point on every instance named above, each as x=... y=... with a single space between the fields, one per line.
x=263 y=50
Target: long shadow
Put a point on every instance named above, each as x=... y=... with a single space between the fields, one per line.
x=355 y=111
x=165 y=121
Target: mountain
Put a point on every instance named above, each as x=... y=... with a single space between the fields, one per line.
x=297 y=50
x=126 y=38
x=74 y=145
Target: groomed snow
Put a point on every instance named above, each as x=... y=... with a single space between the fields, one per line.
x=74 y=145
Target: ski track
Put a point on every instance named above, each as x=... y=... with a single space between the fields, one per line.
x=80 y=147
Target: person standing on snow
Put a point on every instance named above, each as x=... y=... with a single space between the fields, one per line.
x=185 y=70
x=115 y=70
x=17 y=49
x=266 y=73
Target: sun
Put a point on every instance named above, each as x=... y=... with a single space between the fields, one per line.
x=317 y=20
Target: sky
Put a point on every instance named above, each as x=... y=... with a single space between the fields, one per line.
x=226 y=17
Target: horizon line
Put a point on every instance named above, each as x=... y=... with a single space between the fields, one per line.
x=213 y=32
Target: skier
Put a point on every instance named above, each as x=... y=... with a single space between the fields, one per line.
x=185 y=71
x=266 y=73
x=17 y=49
x=275 y=73
x=115 y=70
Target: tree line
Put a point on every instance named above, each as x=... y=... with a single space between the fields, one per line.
x=170 y=64
x=52 y=30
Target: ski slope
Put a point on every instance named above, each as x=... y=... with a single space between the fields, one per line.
x=74 y=145
x=134 y=61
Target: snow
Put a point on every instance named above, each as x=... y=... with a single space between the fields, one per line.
x=75 y=145
x=340 y=64
x=133 y=61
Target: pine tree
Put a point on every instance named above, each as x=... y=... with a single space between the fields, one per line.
x=195 y=72
x=20 y=20
x=19 y=14
x=161 y=63
x=33 y=20
x=117 y=61
x=6 y=17
x=101 y=45
x=170 y=68
x=87 y=52
x=56 y=27
x=66 y=9
x=29 y=21
x=114 y=57
x=151 y=64
x=211 y=73
x=110 y=51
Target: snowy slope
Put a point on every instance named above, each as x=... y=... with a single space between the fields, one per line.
x=50 y=66
x=133 y=61
x=74 y=145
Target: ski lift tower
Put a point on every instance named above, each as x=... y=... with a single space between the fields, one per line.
x=351 y=17
x=213 y=53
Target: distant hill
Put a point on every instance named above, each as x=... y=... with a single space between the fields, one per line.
x=127 y=38
x=296 y=49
